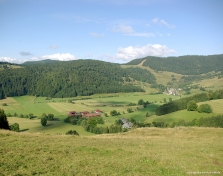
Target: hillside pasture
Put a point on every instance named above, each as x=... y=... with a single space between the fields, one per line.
x=188 y=115
x=52 y=127
x=211 y=84
x=177 y=151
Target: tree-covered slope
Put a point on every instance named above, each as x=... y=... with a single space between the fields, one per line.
x=71 y=78
x=185 y=65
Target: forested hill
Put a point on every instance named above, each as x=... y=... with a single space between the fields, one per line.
x=185 y=65
x=71 y=78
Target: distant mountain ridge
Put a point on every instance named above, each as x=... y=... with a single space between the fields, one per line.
x=45 y=61
x=185 y=65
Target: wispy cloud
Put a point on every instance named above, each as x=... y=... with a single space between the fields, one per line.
x=128 y=30
x=162 y=22
x=125 y=2
x=53 y=47
x=23 y=53
x=59 y=56
x=78 y=19
x=133 y=52
x=95 y=34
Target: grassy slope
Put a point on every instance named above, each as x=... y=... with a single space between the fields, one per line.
x=148 y=151
x=162 y=77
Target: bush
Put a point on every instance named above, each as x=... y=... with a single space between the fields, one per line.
x=4 y=104
x=72 y=132
x=9 y=115
x=206 y=108
x=14 y=127
x=140 y=102
x=43 y=121
x=192 y=105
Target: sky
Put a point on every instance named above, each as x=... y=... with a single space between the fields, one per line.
x=109 y=30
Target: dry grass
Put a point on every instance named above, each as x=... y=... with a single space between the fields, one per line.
x=148 y=151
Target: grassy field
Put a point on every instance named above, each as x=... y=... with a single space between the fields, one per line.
x=106 y=103
x=147 y=151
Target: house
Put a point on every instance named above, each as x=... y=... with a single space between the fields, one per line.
x=72 y=113
x=84 y=113
x=98 y=111
x=92 y=115
x=127 y=125
x=124 y=120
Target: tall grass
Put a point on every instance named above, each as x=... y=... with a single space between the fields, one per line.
x=148 y=151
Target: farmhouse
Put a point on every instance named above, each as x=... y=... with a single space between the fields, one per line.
x=86 y=114
x=98 y=111
x=72 y=113
x=126 y=123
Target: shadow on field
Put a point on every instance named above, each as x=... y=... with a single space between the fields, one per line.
x=24 y=130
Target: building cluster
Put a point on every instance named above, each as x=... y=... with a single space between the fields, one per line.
x=86 y=114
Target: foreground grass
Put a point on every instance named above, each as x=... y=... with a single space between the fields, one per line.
x=148 y=151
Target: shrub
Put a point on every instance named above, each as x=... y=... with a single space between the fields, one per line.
x=72 y=132
x=206 y=108
x=9 y=115
x=14 y=127
x=43 y=121
x=140 y=102
x=192 y=105
x=4 y=104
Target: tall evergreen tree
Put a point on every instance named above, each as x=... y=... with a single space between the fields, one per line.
x=3 y=120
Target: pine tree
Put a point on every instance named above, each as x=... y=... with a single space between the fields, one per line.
x=3 y=120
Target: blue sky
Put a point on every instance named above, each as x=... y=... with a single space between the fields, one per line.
x=109 y=30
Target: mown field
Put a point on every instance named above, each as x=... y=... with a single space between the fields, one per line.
x=147 y=151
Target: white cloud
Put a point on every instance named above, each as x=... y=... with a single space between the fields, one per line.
x=131 y=52
x=128 y=30
x=162 y=23
x=7 y=59
x=61 y=57
x=94 y=34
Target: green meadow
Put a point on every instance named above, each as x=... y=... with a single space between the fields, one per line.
x=105 y=102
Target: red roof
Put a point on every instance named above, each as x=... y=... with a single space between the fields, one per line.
x=72 y=113
x=85 y=112
x=92 y=115
x=98 y=110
